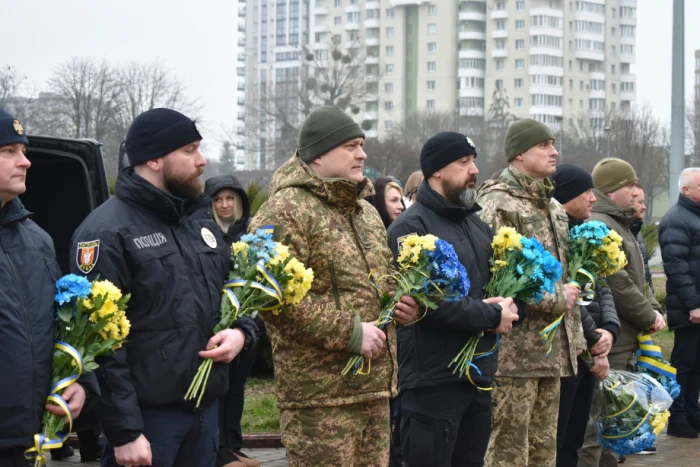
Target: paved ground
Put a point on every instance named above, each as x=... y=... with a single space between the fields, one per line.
x=671 y=452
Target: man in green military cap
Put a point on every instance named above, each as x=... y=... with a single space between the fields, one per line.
x=615 y=181
x=318 y=210
x=526 y=396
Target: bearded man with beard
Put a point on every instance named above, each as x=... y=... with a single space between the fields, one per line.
x=446 y=419
x=156 y=240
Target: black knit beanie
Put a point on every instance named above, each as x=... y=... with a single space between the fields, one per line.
x=443 y=149
x=324 y=129
x=11 y=130
x=569 y=182
x=158 y=132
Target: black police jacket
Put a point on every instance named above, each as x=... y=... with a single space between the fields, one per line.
x=169 y=254
x=427 y=347
x=679 y=238
x=28 y=272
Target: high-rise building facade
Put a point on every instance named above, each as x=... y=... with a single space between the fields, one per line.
x=559 y=61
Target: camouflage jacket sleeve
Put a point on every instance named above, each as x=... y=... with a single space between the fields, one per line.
x=315 y=320
x=501 y=210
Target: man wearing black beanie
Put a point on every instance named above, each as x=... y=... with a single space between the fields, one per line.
x=456 y=409
x=573 y=188
x=156 y=240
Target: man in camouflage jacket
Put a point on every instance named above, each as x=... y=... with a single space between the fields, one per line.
x=317 y=209
x=526 y=396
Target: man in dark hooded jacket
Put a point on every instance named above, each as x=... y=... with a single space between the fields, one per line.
x=573 y=188
x=28 y=274
x=446 y=418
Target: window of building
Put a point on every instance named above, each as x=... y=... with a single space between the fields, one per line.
x=432 y=29
x=500 y=25
x=337 y=39
x=388 y=125
x=612 y=32
x=475 y=63
x=545 y=100
x=597 y=85
x=390 y=32
x=546 y=80
x=626 y=49
x=628 y=12
x=520 y=44
x=373 y=13
x=571 y=65
x=431 y=85
x=546 y=60
x=338 y=3
x=471 y=102
x=518 y=83
x=612 y=70
x=389 y=50
x=354 y=17
x=388 y=88
x=580 y=85
x=500 y=5
x=613 y=88
x=520 y=5
x=612 y=50
x=473 y=83
x=627 y=31
x=518 y=103
x=430 y=104
x=499 y=84
x=432 y=47
x=432 y=67
x=627 y=87
x=499 y=64
x=500 y=43
x=389 y=106
x=389 y=13
x=390 y=69
x=338 y=20
x=545 y=21
x=571 y=85
x=591 y=27
x=432 y=10
x=590 y=7
x=519 y=64
x=520 y=24
x=596 y=104
x=552 y=42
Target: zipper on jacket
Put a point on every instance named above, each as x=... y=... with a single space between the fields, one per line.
x=28 y=323
x=334 y=283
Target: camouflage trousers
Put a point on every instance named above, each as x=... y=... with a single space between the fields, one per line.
x=346 y=436
x=524 y=423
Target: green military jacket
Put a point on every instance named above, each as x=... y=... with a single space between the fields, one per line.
x=330 y=228
x=635 y=306
x=515 y=201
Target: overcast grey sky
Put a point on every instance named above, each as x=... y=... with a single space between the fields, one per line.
x=197 y=40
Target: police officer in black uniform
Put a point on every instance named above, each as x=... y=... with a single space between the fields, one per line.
x=28 y=274
x=156 y=240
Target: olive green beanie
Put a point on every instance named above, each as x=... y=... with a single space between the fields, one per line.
x=611 y=174
x=324 y=129
x=525 y=134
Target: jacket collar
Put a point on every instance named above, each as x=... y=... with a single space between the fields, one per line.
x=143 y=195
x=436 y=202
x=573 y=222
x=337 y=192
x=689 y=204
x=604 y=205
x=13 y=212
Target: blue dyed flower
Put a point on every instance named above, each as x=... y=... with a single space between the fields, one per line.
x=71 y=286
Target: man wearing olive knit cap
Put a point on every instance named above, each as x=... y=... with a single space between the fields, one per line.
x=317 y=209
x=614 y=181
x=526 y=395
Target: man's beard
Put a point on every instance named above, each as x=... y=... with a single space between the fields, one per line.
x=187 y=187
x=461 y=196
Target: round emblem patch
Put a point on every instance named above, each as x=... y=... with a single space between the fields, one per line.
x=208 y=237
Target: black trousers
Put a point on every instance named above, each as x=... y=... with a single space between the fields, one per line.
x=686 y=358
x=13 y=458
x=574 y=409
x=231 y=403
x=445 y=426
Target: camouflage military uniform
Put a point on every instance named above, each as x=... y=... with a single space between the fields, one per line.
x=330 y=228
x=526 y=396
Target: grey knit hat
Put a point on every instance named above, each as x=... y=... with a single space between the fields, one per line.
x=525 y=134
x=324 y=129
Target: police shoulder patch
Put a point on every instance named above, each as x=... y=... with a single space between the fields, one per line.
x=400 y=240
x=87 y=254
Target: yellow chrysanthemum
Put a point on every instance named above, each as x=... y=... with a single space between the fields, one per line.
x=427 y=242
x=297 y=288
x=658 y=421
x=106 y=289
x=282 y=251
x=499 y=263
x=507 y=238
x=239 y=247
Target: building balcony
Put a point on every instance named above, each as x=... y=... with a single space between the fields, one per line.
x=240 y=131
x=588 y=16
x=499 y=34
x=371 y=115
x=472 y=54
x=241 y=26
x=241 y=56
x=499 y=14
x=319 y=11
x=627 y=58
x=240 y=71
x=373 y=5
x=590 y=55
x=471 y=111
x=241 y=101
x=628 y=96
x=241 y=116
x=241 y=41
x=471 y=92
x=319 y=28
x=589 y=36
x=371 y=134
x=372 y=60
x=371 y=41
x=547 y=110
x=629 y=78
x=472 y=16
x=242 y=11
x=352 y=26
x=371 y=97
x=499 y=53
x=371 y=23
x=628 y=21
x=472 y=35
x=352 y=9
x=596 y=94
x=547 y=90
x=471 y=73
x=241 y=86
x=597 y=75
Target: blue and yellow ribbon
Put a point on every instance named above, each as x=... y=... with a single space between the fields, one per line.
x=275 y=291
x=547 y=334
x=649 y=355
x=587 y=293
x=41 y=442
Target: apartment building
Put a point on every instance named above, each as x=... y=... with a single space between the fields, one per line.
x=555 y=60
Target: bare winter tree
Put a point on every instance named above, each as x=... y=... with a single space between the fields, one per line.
x=390 y=156
x=693 y=130
x=10 y=81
